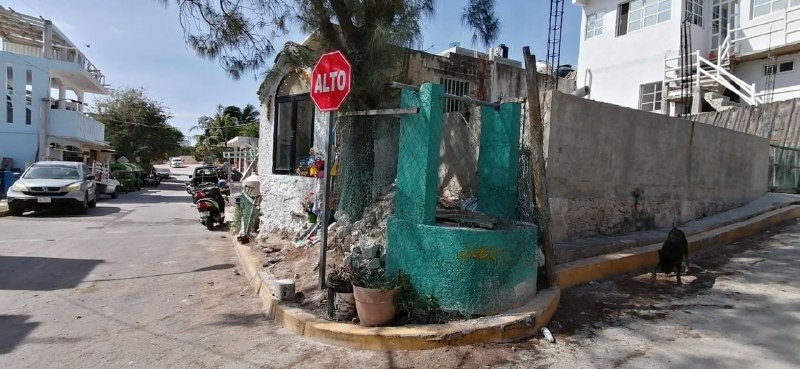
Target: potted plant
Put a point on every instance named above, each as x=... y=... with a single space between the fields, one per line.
x=341 y=305
x=374 y=293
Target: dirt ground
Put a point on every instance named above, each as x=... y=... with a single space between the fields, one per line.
x=285 y=258
x=734 y=303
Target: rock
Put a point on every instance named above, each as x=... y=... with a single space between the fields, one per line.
x=282 y=289
x=356 y=249
x=374 y=263
x=370 y=251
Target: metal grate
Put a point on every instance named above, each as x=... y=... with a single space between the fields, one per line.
x=454 y=87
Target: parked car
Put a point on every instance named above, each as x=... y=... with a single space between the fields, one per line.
x=50 y=184
x=163 y=173
x=176 y=162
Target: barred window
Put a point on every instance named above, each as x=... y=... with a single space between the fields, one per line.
x=454 y=87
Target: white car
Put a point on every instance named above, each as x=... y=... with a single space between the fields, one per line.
x=176 y=162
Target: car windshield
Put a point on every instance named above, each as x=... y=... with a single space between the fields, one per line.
x=52 y=172
x=205 y=172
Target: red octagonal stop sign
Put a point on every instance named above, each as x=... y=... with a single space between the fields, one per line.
x=330 y=81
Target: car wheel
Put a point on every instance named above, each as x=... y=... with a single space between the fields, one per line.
x=209 y=224
x=115 y=194
x=93 y=203
x=15 y=211
x=84 y=205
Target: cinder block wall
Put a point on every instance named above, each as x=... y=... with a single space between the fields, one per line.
x=612 y=169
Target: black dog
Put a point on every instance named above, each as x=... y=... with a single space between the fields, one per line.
x=672 y=254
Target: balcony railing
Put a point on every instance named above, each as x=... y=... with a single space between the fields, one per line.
x=767 y=34
x=69 y=55
x=75 y=125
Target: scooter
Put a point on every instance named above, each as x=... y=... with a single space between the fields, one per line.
x=211 y=205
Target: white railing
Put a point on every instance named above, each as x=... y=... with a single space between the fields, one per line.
x=767 y=34
x=724 y=51
x=73 y=124
x=703 y=69
x=720 y=75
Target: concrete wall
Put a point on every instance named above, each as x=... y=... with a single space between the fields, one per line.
x=779 y=121
x=612 y=169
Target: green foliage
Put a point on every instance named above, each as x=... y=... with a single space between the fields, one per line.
x=136 y=126
x=227 y=123
x=480 y=18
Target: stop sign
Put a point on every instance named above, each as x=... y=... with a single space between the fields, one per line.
x=330 y=81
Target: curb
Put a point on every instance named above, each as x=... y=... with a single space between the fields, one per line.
x=604 y=266
x=518 y=324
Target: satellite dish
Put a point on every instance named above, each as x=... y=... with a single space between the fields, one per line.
x=455 y=44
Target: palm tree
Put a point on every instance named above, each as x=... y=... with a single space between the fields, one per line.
x=246 y=119
x=217 y=130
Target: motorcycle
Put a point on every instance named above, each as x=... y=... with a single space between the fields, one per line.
x=211 y=205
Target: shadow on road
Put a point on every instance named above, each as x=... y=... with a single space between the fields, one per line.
x=15 y=329
x=43 y=274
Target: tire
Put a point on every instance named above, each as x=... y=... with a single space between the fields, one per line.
x=93 y=203
x=209 y=223
x=84 y=205
x=15 y=211
x=115 y=194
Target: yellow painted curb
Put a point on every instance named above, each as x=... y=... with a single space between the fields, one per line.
x=604 y=266
x=521 y=323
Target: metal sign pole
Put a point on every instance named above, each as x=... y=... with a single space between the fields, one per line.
x=325 y=198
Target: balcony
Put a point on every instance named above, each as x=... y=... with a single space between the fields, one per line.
x=779 y=34
x=25 y=35
x=76 y=126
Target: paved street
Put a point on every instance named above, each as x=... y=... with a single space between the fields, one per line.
x=139 y=283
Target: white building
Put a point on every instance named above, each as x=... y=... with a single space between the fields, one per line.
x=747 y=50
x=45 y=79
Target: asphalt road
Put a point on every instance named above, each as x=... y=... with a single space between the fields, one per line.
x=138 y=282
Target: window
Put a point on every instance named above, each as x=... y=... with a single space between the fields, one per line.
x=694 y=11
x=650 y=96
x=454 y=87
x=764 y=7
x=594 y=24
x=782 y=67
x=294 y=132
x=638 y=14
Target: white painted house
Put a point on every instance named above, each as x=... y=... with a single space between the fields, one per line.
x=631 y=53
x=45 y=79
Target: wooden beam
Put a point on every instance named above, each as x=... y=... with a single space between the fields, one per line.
x=538 y=167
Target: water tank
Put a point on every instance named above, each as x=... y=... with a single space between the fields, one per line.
x=563 y=70
x=252 y=185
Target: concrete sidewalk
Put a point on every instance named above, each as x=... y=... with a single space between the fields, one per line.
x=581 y=261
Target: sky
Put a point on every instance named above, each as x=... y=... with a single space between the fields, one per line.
x=140 y=44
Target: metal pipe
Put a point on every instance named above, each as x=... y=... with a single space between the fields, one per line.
x=581 y=91
x=468 y=100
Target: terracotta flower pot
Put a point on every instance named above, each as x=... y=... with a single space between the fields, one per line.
x=374 y=307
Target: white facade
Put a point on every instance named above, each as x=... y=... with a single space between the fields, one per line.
x=630 y=51
x=44 y=80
